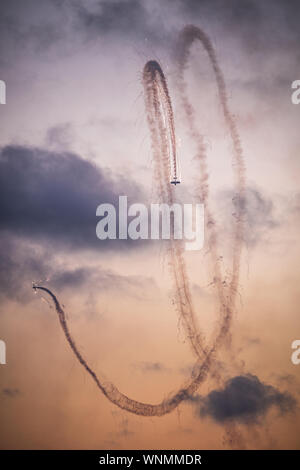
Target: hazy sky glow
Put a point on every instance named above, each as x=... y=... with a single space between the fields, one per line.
x=74 y=135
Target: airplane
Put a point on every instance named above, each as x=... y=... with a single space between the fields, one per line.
x=175 y=181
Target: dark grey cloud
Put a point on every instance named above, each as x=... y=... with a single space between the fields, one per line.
x=272 y=24
x=268 y=24
x=230 y=10
x=48 y=204
x=31 y=26
x=21 y=264
x=104 y=280
x=259 y=38
x=244 y=399
x=264 y=30
x=257 y=25
x=123 y=16
x=61 y=26
x=53 y=196
x=139 y=20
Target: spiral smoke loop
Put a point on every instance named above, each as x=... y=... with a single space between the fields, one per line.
x=163 y=140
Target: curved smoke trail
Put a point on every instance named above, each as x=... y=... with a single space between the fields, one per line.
x=157 y=101
x=226 y=298
x=187 y=37
x=118 y=398
x=161 y=124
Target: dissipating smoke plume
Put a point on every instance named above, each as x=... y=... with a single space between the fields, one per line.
x=163 y=141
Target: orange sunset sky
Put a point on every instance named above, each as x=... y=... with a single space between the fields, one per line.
x=74 y=135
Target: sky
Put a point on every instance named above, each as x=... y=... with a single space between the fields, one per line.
x=74 y=134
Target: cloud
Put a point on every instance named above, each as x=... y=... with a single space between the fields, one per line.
x=56 y=23
x=62 y=27
x=125 y=16
x=22 y=263
x=252 y=21
x=53 y=196
x=48 y=204
x=60 y=136
x=134 y=20
x=244 y=399
x=106 y=280
x=11 y=392
x=19 y=265
x=31 y=27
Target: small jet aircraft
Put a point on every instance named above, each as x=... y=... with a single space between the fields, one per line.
x=175 y=181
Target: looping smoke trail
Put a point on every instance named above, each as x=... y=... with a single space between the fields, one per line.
x=113 y=394
x=161 y=124
x=226 y=300
x=187 y=37
x=157 y=99
x=162 y=130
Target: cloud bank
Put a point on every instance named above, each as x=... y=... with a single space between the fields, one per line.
x=244 y=399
